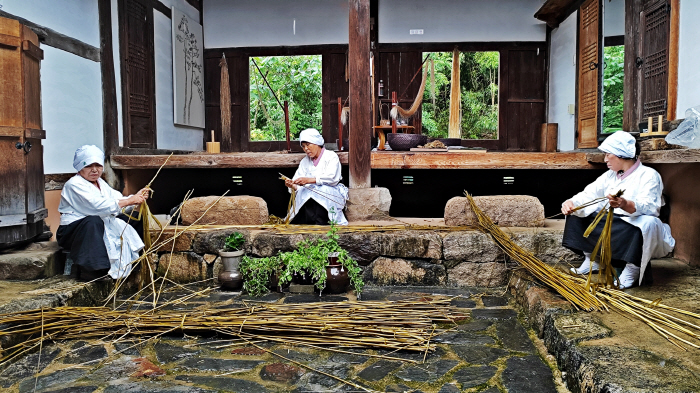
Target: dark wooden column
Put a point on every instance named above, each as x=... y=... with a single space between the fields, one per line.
x=360 y=90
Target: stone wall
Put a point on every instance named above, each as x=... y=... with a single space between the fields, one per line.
x=450 y=258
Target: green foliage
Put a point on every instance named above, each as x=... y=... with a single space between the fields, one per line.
x=234 y=242
x=613 y=81
x=310 y=259
x=479 y=95
x=297 y=79
x=257 y=272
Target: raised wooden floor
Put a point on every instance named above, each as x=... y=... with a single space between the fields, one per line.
x=380 y=160
x=657 y=156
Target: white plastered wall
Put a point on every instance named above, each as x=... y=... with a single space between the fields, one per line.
x=688 y=57
x=168 y=135
x=71 y=86
x=459 y=21
x=613 y=18
x=562 y=80
x=243 y=23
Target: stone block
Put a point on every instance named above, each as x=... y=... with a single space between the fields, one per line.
x=37 y=260
x=367 y=204
x=410 y=244
x=469 y=274
x=182 y=267
x=397 y=271
x=233 y=210
x=210 y=242
x=546 y=245
x=266 y=244
x=364 y=247
x=183 y=241
x=504 y=211
x=472 y=246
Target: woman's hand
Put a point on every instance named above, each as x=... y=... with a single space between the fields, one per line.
x=621 y=203
x=131 y=201
x=144 y=192
x=567 y=207
x=289 y=183
x=305 y=180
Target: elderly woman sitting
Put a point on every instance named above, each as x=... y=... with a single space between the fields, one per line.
x=637 y=233
x=321 y=196
x=98 y=241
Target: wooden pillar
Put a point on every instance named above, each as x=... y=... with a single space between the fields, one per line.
x=631 y=110
x=360 y=101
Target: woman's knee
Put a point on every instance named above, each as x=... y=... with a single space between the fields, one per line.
x=94 y=222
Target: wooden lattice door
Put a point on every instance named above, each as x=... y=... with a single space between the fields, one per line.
x=653 y=59
x=138 y=74
x=588 y=75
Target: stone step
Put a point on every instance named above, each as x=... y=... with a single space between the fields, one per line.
x=34 y=261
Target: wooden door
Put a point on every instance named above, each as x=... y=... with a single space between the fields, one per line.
x=21 y=154
x=138 y=73
x=400 y=72
x=335 y=84
x=588 y=74
x=654 y=56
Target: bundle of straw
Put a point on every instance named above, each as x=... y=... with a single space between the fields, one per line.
x=453 y=130
x=584 y=295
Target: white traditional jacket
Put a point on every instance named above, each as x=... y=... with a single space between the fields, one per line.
x=643 y=187
x=80 y=199
x=328 y=191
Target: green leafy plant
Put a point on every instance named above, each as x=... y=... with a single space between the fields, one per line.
x=257 y=273
x=234 y=242
x=310 y=259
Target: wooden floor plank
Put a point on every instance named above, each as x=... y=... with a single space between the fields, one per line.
x=657 y=156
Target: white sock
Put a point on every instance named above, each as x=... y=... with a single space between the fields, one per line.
x=586 y=266
x=629 y=276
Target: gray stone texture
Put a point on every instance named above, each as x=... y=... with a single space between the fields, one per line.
x=364 y=247
x=229 y=210
x=378 y=370
x=221 y=365
x=398 y=271
x=365 y=204
x=38 y=260
x=182 y=267
x=479 y=354
x=58 y=379
x=504 y=210
x=470 y=377
x=514 y=337
x=224 y=383
x=469 y=274
x=527 y=374
x=429 y=372
x=494 y=314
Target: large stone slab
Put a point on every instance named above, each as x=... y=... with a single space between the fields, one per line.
x=367 y=204
x=210 y=242
x=410 y=244
x=233 y=210
x=37 y=260
x=398 y=271
x=470 y=246
x=364 y=247
x=182 y=267
x=504 y=210
x=528 y=374
x=468 y=274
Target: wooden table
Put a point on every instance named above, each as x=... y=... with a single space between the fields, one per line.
x=379 y=131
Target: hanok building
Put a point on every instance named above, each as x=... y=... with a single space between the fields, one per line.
x=102 y=72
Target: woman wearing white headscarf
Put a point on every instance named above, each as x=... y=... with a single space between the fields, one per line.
x=320 y=195
x=99 y=242
x=637 y=233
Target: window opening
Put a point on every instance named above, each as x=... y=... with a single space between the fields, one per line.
x=297 y=79
x=479 y=95
x=613 y=81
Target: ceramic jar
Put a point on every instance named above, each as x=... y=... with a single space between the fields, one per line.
x=230 y=278
x=337 y=279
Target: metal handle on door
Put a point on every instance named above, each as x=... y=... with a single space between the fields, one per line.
x=26 y=146
x=593 y=66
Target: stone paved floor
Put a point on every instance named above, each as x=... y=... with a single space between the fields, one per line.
x=489 y=352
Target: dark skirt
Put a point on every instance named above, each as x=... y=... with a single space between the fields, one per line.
x=85 y=241
x=311 y=213
x=625 y=241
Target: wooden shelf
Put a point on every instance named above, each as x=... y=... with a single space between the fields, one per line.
x=379 y=160
x=678 y=156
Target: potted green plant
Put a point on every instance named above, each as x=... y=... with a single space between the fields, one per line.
x=230 y=277
x=259 y=274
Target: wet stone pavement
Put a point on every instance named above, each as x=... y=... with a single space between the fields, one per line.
x=489 y=351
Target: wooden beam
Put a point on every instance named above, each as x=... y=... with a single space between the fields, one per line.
x=673 y=60
x=657 y=157
x=110 y=116
x=379 y=160
x=447 y=160
x=230 y=160
x=630 y=115
x=553 y=12
x=360 y=100
x=57 y=40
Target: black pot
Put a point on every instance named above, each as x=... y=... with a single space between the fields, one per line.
x=337 y=279
x=404 y=142
x=302 y=279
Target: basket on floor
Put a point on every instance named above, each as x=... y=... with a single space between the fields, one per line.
x=404 y=142
x=448 y=141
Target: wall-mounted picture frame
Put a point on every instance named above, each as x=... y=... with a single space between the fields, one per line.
x=188 y=78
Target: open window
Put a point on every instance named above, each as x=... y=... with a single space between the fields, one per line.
x=275 y=79
x=478 y=99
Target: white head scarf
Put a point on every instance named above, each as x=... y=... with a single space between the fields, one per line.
x=311 y=135
x=87 y=155
x=620 y=143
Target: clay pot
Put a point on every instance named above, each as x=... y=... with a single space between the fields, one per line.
x=302 y=279
x=337 y=280
x=230 y=278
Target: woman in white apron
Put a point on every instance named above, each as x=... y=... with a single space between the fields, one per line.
x=100 y=243
x=637 y=233
x=321 y=197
